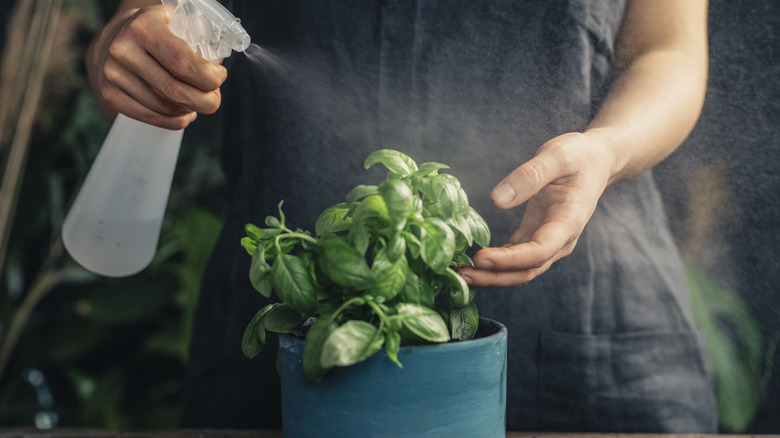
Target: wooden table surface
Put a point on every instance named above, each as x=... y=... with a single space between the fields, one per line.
x=212 y=433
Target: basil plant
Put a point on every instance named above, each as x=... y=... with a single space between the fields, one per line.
x=379 y=272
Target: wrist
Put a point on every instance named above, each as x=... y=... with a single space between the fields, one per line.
x=610 y=152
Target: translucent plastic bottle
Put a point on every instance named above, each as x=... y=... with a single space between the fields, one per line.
x=114 y=224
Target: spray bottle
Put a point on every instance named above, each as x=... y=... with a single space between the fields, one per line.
x=114 y=224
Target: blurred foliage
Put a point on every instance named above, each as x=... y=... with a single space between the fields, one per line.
x=735 y=349
x=95 y=351
x=738 y=355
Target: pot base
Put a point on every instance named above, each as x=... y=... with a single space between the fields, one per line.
x=454 y=389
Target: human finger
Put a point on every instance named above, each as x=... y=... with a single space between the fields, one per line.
x=550 y=242
x=533 y=218
x=554 y=163
x=173 y=53
x=136 y=88
x=482 y=278
x=166 y=63
x=134 y=109
x=180 y=93
x=517 y=264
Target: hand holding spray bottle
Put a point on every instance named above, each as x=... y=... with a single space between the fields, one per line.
x=114 y=224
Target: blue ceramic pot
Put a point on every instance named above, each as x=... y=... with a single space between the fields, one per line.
x=457 y=389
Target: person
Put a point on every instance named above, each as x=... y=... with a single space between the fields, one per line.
x=590 y=284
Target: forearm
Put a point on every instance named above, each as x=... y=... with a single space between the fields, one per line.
x=659 y=87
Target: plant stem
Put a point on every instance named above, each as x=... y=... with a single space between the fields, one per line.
x=346 y=304
x=301 y=236
x=378 y=312
x=291 y=234
x=46 y=280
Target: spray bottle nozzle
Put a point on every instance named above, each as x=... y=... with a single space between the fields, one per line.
x=235 y=36
x=208 y=27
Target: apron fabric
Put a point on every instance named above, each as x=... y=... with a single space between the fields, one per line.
x=603 y=341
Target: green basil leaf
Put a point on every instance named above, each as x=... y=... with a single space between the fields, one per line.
x=333 y=219
x=424 y=322
x=464 y=322
x=390 y=275
x=411 y=290
x=417 y=206
x=417 y=291
x=439 y=195
x=329 y=303
x=360 y=238
x=249 y=244
x=451 y=180
x=361 y=192
x=293 y=284
x=458 y=292
x=479 y=229
x=312 y=347
x=427 y=293
x=281 y=318
x=260 y=273
x=288 y=245
x=461 y=258
x=353 y=342
x=344 y=264
x=254 y=339
x=396 y=247
x=372 y=207
x=427 y=169
x=396 y=162
x=463 y=227
x=272 y=222
x=412 y=244
x=253 y=232
x=399 y=202
x=392 y=346
x=461 y=204
x=260 y=234
x=437 y=244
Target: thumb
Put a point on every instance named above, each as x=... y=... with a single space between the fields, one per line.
x=524 y=182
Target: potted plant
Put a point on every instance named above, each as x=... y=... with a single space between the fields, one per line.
x=379 y=273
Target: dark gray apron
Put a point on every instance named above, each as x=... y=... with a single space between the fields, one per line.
x=604 y=341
